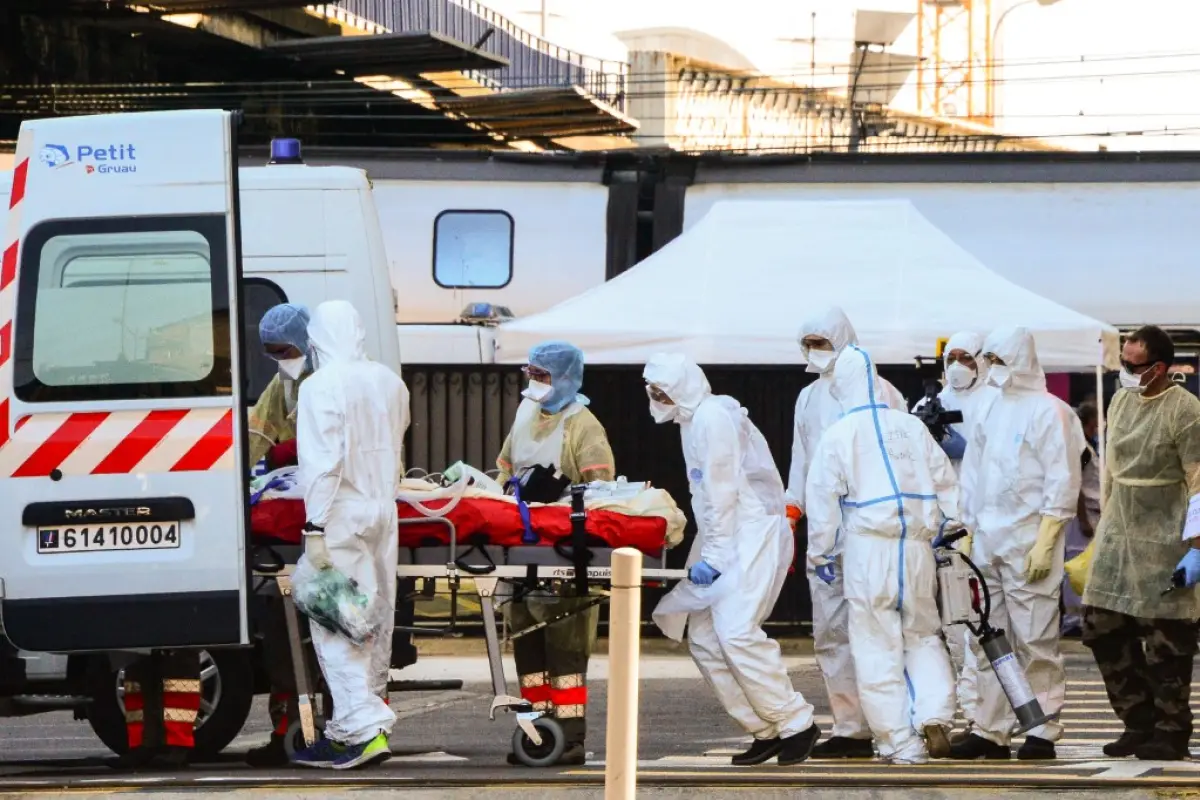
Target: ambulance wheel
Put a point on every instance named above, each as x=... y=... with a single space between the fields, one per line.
x=227 y=684
x=293 y=741
x=546 y=754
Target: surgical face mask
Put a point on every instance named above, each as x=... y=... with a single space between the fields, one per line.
x=1131 y=382
x=821 y=360
x=663 y=412
x=1000 y=376
x=537 y=391
x=292 y=367
x=960 y=376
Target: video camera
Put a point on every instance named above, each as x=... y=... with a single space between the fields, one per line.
x=936 y=418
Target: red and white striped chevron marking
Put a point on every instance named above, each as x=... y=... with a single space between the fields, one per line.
x=8 y=288
x=118 y=443
x=95 y=443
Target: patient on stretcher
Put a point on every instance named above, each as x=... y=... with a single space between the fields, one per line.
x=620 y=513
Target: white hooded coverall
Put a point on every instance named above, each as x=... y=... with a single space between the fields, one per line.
x=816 y=410
x=743 y=533
x=886 y=489
x=970 y=401
x=349 y=435
x=1022 y=463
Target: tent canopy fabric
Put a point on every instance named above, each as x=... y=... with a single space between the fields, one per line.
x=735 y=288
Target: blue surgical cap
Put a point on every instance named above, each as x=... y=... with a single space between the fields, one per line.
x=286 y=323
x=564 y=362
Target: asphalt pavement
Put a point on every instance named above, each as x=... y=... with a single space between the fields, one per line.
x=445 y=742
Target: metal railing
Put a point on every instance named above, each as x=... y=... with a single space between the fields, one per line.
x=533 y=62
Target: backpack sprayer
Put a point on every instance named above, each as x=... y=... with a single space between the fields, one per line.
x=962 y=596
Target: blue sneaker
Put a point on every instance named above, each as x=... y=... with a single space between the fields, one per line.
x=375 y=751
x=322 y=755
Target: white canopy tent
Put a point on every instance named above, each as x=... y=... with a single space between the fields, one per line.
x=735 y=288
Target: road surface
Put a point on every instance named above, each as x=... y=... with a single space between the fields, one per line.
x=444 y=740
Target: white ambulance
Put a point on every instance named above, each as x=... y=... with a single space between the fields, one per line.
x=137 y=261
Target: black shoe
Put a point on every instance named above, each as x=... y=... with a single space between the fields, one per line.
x=1127 y=744
x=137 y=758
x=844 y=747
x=575 y=755
x=977 y=748
x=760 y=752
x=798 y=747
x=271 y=754
x=172 y=758
x=1036 y=749
x=143 y=759
x=1163 y=748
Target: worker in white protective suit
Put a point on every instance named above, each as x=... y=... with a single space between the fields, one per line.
x=1020 y=482
x=966 y=389
x=823 y=338
x=737 y=564
x=886 y=490
x=350 y=433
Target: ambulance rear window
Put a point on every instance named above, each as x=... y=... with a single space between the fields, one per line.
x=134 y=310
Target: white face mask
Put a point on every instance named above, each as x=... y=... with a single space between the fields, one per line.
x=1131 y=382
x=537 y=391
x=292 y=367
x=960 y=376
x=821 y=360
x=663 y=412
x=1000 y=376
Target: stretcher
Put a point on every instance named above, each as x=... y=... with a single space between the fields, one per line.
x=501 y=562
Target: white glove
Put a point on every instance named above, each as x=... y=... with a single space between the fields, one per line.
x=316 y=551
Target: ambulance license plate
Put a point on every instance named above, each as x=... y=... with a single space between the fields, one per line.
x=98 y=538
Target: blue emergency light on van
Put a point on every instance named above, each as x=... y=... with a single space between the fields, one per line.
x=285 y=151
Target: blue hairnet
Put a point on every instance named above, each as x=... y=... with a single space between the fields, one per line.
x=286 y=323
x=564 y=362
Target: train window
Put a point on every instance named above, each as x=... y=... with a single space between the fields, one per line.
x=473 y=249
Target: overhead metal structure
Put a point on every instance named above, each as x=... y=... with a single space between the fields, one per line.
x=546 y=113
x=410 y=53
x=954 y=44
x=163 y=6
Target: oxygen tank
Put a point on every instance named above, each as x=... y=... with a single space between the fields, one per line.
x=1012 y=678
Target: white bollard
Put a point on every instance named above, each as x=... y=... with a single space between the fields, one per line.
x=624 y=650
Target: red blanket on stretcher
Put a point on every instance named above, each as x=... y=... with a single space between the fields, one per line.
x=497 y=521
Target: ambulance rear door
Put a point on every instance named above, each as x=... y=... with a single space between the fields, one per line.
x=122 y=463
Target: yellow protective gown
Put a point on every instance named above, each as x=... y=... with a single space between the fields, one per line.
x=273 y=418
x=585 y=455
x=1152 y=469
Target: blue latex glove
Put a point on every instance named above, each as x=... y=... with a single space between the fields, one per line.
x=1190 y=564
x=702 y=574
x=826 y=573
x=954 y=445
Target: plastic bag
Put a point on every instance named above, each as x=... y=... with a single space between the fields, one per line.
x=333 y=601
x=1077 y=569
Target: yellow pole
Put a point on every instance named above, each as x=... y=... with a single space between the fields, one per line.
x=624 y=650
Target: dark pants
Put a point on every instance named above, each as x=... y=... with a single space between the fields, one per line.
x=162 y=699
x=1147 y=669
x=552 y=661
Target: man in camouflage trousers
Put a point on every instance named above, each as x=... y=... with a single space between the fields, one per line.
x=1142 y=631
x=1149 y=689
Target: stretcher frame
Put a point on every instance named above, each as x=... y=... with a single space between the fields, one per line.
x=534 y=727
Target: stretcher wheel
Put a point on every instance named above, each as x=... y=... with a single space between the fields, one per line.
x=293 y=740
x=546 y=754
